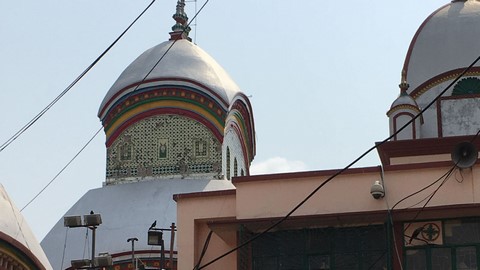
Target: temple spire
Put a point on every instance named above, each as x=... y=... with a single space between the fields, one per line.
x=180 y=29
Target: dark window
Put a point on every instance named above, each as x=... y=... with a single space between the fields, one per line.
x=352 y=248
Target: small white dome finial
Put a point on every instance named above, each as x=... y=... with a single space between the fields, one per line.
x=403 y=84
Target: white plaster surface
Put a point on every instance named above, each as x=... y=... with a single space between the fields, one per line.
x=450 y=39
x=127 y=211
x=184 y=60
x=460 y=116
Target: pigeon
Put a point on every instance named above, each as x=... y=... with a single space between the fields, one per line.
x=153 y=225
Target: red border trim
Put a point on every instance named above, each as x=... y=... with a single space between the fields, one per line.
x=227 y=192
x=28 y=253
x=176 y=79
x=297 y=175
x=420 y=147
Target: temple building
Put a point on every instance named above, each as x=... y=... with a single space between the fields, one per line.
x=417 y=210
x=19 y=249
x=174 y=122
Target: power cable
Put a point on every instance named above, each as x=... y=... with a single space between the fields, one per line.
x=426 y=187
x=63 y=169
x=58 y=98
x=390 y=217
x=275 y=224
x=71 y=85
x=430 y=197
x=445 y=177
x=170 y=47
x=204 y=249
x=50 y=105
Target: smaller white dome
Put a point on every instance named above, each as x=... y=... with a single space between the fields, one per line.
x=404 y=99
x=183 y=61
x=14 y=226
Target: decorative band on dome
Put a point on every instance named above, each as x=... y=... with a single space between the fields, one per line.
x=441 y=78
x=240 y=117
x=164 y=100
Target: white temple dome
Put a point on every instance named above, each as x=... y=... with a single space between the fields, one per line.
x=447 y=40
x=184 y=61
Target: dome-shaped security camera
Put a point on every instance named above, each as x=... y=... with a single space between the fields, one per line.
x=377 y=190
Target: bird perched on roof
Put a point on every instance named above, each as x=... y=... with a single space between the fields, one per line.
x=91 y=212
x=153 y=225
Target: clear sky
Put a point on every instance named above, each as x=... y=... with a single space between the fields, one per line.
x=320 y=75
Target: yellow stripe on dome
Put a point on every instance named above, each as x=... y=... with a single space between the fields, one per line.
x=163 y=104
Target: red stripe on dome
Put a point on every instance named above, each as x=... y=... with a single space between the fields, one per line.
x=121 y=92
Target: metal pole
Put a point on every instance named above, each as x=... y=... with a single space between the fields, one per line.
x=92 y=263
x=133 y=250
x=162 y=256
x=172 y=240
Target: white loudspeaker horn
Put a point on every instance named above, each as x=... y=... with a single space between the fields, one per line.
x=465 y=155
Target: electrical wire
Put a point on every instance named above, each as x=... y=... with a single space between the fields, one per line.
x=445 y=177
x=390 y=217
x=426 y=187
x=70 y=86
x=204 y=249
x=63 y=169
x=281 y=220
x=430 y=197
x=170 y=47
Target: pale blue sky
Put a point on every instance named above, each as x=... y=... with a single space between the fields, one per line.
x=321 y=75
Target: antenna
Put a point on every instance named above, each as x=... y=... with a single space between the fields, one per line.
x=194 y=23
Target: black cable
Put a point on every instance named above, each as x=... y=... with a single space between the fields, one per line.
x=431 y=197
x=64 y=167
x=445 y=177
x=170 y=47
x=42 y=112
x=204 y=250
x=344 y=169
x=78 y=78
x=424 y=188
